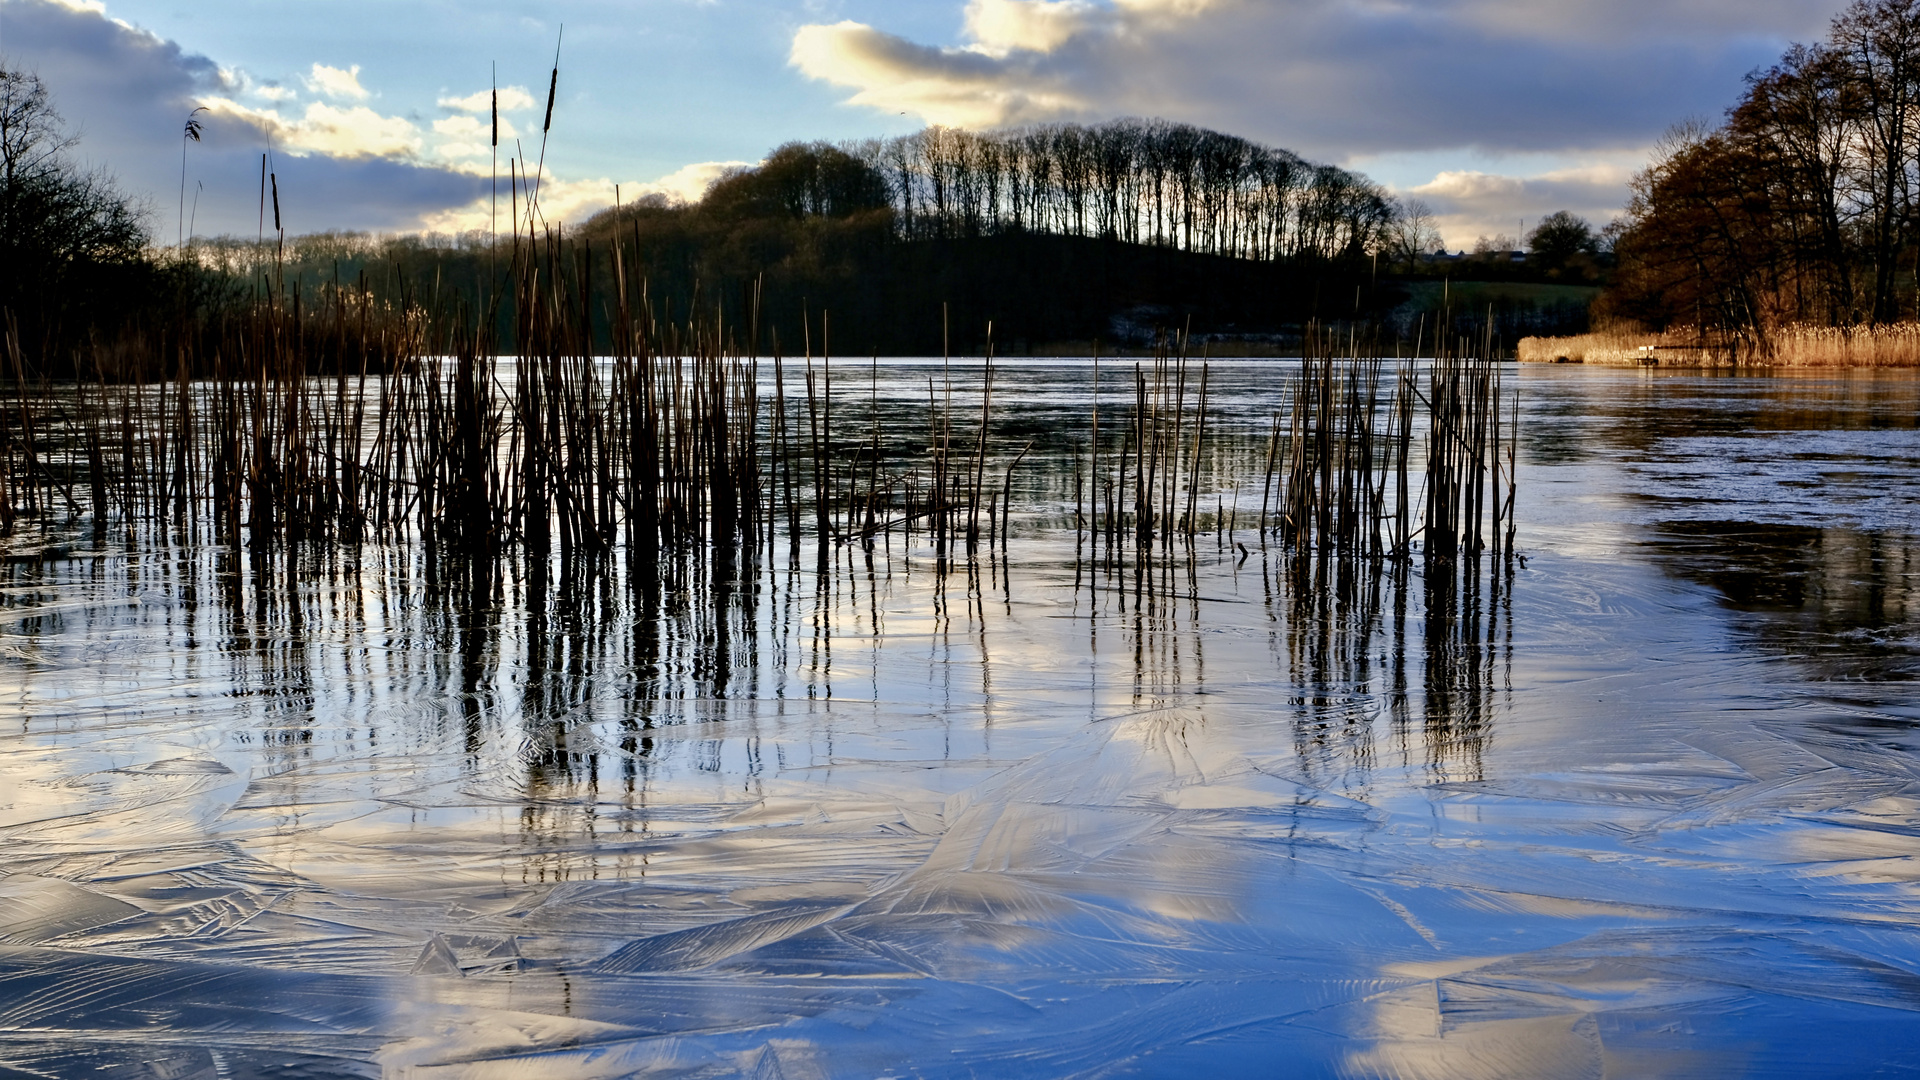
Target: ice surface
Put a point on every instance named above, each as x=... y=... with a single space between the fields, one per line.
x=1650 y=808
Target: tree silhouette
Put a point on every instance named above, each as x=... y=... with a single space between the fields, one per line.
x=1804 y=205
x=70 y=243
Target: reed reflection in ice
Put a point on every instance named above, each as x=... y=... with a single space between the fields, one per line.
x=882 y=771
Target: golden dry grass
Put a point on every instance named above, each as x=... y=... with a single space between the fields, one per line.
x=1890 y=345
x=1613 y=347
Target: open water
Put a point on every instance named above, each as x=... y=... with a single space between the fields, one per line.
x=1644 y=803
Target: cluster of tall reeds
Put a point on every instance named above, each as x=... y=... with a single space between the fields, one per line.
x=1353 y=471
x=349 y=421
x=184 y=424
x=363 y=422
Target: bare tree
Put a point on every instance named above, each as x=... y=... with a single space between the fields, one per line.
x=1796 y=118
x=1879 y=42
x=1414 y=232
x=48 y=209
x=65 y=236
x=32 y=135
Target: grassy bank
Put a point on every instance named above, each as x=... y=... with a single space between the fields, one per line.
x=1517 y=307
x=1891 y=345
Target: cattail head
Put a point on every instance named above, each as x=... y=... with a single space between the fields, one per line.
x=274 y=179
x=496 y=116
x=552 y=86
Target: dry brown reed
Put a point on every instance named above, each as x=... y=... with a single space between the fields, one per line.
x=343 y=420
x=1887 y=345
x=1890 y=345
x=1619 y=348
x=1341 y=462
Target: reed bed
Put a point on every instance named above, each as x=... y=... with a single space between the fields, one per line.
x=1624 y=348
x=345 y=421
x=1889 y=345
x=1894 y=345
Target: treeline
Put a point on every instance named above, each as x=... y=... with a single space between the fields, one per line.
x=846 y=284
x=1803 y=206
x=1050 y=233
x=1138 y=181
x=920 y=244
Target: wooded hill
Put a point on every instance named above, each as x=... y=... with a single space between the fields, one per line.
x=1056 y=236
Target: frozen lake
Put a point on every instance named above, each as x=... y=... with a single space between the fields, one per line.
x=1646 y=805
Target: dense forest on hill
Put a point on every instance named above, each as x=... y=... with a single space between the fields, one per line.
x=1139 y=182
x=1058 y=234
x=1053 y=235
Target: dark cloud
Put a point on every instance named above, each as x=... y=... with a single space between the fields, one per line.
x=1334 y=78
x=127 y=93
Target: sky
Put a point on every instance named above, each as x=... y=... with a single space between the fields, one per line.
x=1493 y=112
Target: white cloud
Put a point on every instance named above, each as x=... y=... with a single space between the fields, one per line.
x=1469 y=204
x=576 y=200
x=512 y=99
x=560 y=201
x=341 y=84
x=469 y=137
x=957 y=87
x=1003 y=26
x=473 y=127
x=351 y=132
x=686 y=184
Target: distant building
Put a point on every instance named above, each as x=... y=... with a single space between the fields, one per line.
x=1506 y=255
